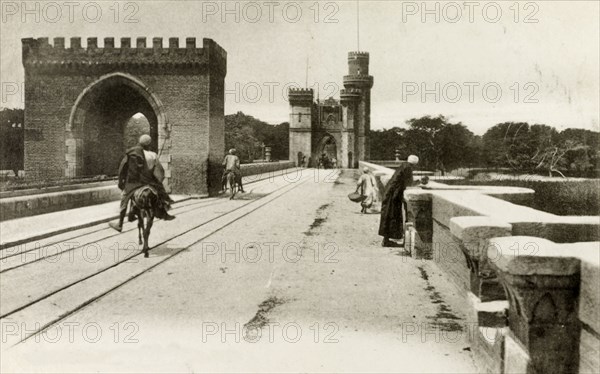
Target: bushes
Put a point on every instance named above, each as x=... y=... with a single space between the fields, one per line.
x=565 y=198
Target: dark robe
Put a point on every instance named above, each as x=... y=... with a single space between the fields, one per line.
x=134 y=173
x=391 y=225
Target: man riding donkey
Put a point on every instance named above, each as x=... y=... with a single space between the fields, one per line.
x=232 y=165
x=139 y=168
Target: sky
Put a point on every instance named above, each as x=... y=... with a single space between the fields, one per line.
x=479 y=63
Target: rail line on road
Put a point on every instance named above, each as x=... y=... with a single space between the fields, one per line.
x=179 y=209
x=263 y=201
x=224 y=201
x=8 y=252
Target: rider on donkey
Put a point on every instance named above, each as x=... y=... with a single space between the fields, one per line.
x=140 y=168
x=232 y=165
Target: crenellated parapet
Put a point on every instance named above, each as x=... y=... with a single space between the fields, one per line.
x=301 y=96
x=358 y=55
x=40 y=54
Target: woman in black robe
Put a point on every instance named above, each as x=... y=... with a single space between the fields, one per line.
x=391 y=225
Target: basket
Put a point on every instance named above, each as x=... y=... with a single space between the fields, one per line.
x=356 y=197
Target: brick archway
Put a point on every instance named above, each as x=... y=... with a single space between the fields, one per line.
x=79 y=100
x=91 y=126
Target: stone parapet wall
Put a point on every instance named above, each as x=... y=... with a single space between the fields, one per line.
x=264 y=168
x=28 y=203
x=530 y=277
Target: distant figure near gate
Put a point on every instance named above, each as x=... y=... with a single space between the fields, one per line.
x=367 y=186
x=391 y=225
x=231 y=164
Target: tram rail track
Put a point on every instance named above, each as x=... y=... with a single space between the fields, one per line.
x=9 y=252
x=261 y=202
x=178 y=209
x=21 y=241
x=85 y=243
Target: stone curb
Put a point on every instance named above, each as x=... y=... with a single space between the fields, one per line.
x=70 y=228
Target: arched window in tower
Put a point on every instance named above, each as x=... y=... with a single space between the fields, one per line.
x=330 y=119
x=299 y=117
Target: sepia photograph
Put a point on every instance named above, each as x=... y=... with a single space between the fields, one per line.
x=311 y=186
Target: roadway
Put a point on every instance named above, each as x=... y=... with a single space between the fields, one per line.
x=288 y=277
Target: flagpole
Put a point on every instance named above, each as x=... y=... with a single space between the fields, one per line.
x=358 y=25
x=306 y=82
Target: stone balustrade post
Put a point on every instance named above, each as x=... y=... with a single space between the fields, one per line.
x=541 y=280
x=419 y=213
x=474 y=233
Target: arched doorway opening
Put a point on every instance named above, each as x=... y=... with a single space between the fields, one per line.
x=135 y=127
x=106 y=119
x=328 y=146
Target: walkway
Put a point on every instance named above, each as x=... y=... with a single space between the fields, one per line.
x=288 y=278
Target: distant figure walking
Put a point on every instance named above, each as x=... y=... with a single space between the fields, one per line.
x=231 y=163
x=391 y=225
x=367 y=186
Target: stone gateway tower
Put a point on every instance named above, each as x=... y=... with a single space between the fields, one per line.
x=339 y=129
x=77 y=102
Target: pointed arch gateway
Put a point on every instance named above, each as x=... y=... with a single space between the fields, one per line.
x=78 y=101
x=327 y=145
x=94 y=137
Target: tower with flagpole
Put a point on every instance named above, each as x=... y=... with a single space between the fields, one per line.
x=334 y=130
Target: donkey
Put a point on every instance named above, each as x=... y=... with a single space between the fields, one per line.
x=147 y=203
x=231 y=181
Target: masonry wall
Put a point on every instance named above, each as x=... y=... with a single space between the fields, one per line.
x=188 y=83
x=300 y=137
x=534 y=301
x=47 y=111
x=216 y=140
x=186 y=106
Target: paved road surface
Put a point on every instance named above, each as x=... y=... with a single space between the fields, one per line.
x=288 y=278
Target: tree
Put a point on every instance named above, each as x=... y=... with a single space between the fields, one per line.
x=583 y=160
x=441 y=145
x=506 y=145
x=247 y=135
x=383 y=143
x=534 y=148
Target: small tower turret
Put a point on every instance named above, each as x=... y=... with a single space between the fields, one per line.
x=359 y=80
x=301 y=104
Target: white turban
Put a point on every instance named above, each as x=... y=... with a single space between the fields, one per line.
x=412 y=159
x=145 y=140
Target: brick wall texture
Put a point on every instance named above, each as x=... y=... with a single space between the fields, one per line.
x=72 y=128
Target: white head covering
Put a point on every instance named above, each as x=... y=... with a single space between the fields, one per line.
x=365 y=169
x=145 y=140
x=412 y=159
x=232 y=151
